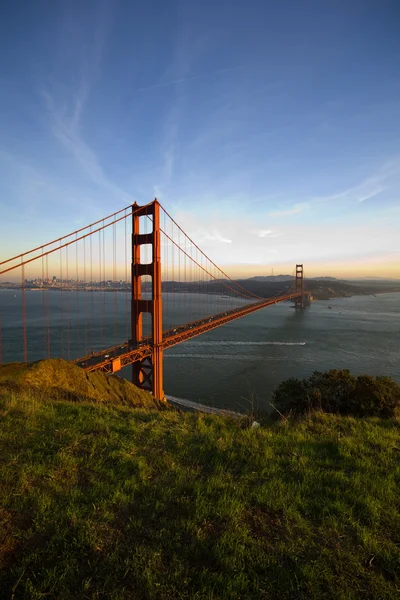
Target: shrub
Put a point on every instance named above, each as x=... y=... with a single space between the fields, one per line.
x=375 y=396
x=337 y=391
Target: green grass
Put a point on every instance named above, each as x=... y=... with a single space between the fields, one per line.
x=59 y=379
x=100 y=501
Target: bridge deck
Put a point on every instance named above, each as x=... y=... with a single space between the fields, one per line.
x=117 y=357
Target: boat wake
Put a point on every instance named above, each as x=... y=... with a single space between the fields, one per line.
x=234 y=343
x=227 y=357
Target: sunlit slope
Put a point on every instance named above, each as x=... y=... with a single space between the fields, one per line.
x=62 y=380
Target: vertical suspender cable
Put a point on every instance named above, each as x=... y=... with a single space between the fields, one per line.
x=104 y=281
x=85 y=297
x=115 y=281
x=185 y=280
x=48 y=307
x=68 y=306
x=100 y=303
x=62 y=305
x=173 y=276
x=164 y=262
x=90 y=289
x=43 y=309
x=24 y=312
x=77 y=328
x=126 y=282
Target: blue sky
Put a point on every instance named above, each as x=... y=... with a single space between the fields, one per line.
x=270 y=130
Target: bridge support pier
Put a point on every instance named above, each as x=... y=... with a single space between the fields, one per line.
x=147 y=373
x=303 y=301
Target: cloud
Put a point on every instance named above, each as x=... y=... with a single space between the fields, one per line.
x=296 y=242
x=385 y=178
x=156 y=86
x=67 y=131
x=169 y=161
x=268 y=233
x=360 y=193
x=185 y=65
x=291 y=211
x=32 y=190
x=67 y=103
x=370 y=187
x=371 y=194
x=220 y=238
x=206 y=236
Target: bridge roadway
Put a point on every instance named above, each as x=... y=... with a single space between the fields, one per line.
x=115 y=358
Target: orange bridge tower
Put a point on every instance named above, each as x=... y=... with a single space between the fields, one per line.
x=148 y=372
x=304 y=298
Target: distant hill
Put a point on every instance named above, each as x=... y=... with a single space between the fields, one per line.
x=372 y=279
x=286 y=278
x=322 y=288
x=270 y=278
x=322 y=278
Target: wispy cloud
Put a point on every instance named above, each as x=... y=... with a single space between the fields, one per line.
x=219 y=238
x=370 y=187
x=205 y=236
x=384 y=179
x=294 y=242
x=268 y=233
x=66 y=106
x=32 y=189
x=184 y=79
x=157 y=86
x=297 y=208
x=359 y=193
x=67 y=131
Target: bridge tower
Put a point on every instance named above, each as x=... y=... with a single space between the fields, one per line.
x=305 y=298
x=299 y=286
x=148 y=372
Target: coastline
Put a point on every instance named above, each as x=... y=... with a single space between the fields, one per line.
x=191 y=405
x=380 y=293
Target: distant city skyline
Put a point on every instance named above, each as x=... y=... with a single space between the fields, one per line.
x=15 y=276
x=270 y=132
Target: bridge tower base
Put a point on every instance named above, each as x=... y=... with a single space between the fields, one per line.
x=148 y=372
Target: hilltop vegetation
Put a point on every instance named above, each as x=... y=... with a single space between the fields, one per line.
x=100 y=500
x=339 y=392
x=61 y=380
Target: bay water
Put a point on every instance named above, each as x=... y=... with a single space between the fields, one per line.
x=234 y=365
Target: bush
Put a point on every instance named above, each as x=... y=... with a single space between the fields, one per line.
x=337 y=391
x=375 y=396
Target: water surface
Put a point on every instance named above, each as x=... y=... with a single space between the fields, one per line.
x=229 y=365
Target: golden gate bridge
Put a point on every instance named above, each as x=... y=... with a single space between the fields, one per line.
x=131 y=322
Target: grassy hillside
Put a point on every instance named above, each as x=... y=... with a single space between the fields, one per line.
x=103 y=501
x=62 y=380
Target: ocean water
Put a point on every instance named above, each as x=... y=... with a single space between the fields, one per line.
x=248 y=358
x=230 y=365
